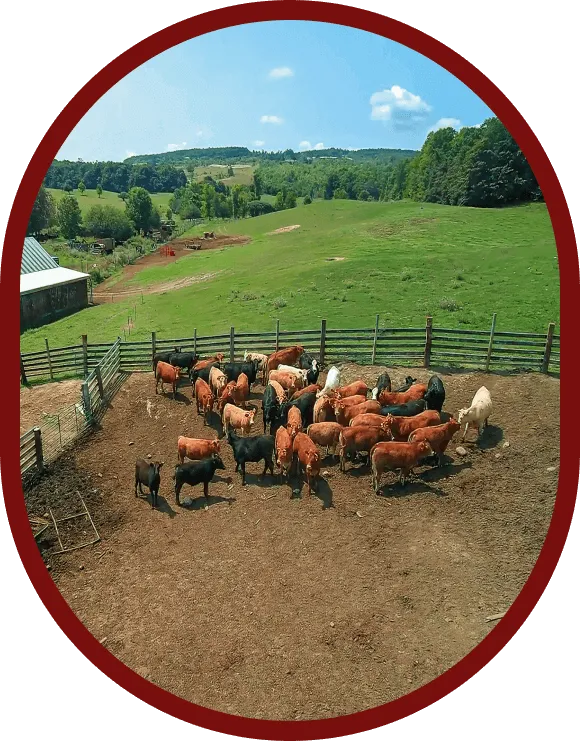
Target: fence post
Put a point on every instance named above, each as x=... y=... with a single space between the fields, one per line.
x=277 y=335
x=100 y=382
x=153 y=345
x=548 y=349
x=322 y=341
x=195 y=342
x=85 y=357
x=374 y=357
x=490 y=346
x=87 y=402
x=428 y=341
x=38 y=449
x=48 y=358
x=23 y=372
x=232 y=344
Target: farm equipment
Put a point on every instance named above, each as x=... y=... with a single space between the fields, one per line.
x=193 y=245
x=166 y=251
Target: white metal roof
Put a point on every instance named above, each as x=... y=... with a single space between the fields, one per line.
x=35 y=257
x=30 y=282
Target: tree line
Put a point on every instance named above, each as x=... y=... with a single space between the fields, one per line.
x=118 y=177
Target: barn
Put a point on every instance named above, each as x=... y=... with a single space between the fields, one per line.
x=47 y=291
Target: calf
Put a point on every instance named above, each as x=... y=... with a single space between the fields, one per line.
x=280 y=393
x=332 y=382
x=204 y=399
x=217 y=380
x=196 y=449
x=361 y=439
x=403 y=456
x=238 y=419
x=198 y=472
x=293 y=371
x=356 y=388
x=288 y=356
x=312 y=388
x=165 y=373
x=325 y=434
x=438 y=437
x=402 y=427
x=294 y=424
x=308 y=458
x=283 y=451
x=288 y=381
x=435 y=394
x=414 y=392
x=147 y=474
x=270 y=407
x=252 y=450
x=164 y=356
x=383 y=384
x=227 y=397
x=405 y=410
x=241 y=391
x=477 y=414
x=345 y=413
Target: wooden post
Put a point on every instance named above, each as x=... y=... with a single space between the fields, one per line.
x=490 y=346
x=87 y=402
x=99 y=382
x=277 y=335
x=548 y=349
x=232 y=344
x=85 y=357
x=322 y=341
x=428 y=341
x=194 y=342
x=38 y=449
x=375 y=340
x=23 y=372
x=48 y=358
x=153 y=345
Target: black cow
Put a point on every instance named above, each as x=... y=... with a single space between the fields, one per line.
x=313 y=373
x=252 y=450
x=184 y=359
x=147 y=474
x=409 y=381
x=435 y=394
x=305 y=361
x=410 y=409
x=164 y=356
x=305 y=404
x=234 y=370
x=383 y=383
x=196 y=472
x=270 y=407
x=203 y=373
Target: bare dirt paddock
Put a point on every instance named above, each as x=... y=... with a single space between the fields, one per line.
x=269 y=607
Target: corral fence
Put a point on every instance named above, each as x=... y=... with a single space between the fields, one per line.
x=102 y=365
x=42 y=444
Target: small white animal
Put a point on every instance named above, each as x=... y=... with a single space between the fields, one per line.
x=478 y=413
x=332 y=382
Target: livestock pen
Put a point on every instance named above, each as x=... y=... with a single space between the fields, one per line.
x=298 y=607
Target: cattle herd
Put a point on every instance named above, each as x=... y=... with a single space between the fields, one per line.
x=390 y=430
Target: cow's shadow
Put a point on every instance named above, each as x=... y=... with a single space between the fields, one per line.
x=163 y=505
x=200 y=502
x=322 y=490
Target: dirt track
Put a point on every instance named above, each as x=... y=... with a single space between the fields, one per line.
x=272 y=608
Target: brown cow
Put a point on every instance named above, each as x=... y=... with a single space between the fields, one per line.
x=350 y=401
x=227 y=396
x=217 y=358
x=392 y=398
x=280 y=393
x=204 y=399
x=241 y=391
x=283 y=451
x=325 y=434
x=288 y=381
x=402 y=427
x=196 y=449
x=345 y=413
x=238 y=419
x=217 y=380
x=287 y=356
x=356 y=388
x=165 y=373
x=403 y=456
x=361 y=439
x=294 y=424
x=374 y=420
x=312 y=388
x=307 y=458
x=438 y=437
x=323 y=411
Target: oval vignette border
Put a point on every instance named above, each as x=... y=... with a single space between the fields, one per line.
x=568 y=474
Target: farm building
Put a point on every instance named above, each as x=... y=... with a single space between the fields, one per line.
x=48 y=291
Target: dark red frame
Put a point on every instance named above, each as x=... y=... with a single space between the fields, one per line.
x=568 y=261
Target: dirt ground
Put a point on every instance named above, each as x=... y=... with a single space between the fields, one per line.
x=114 y=287
x=310 y=607
x=48 y=398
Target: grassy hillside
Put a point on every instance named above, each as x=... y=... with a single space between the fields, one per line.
x=90 y=198
x=401 y=260
x=243 y=174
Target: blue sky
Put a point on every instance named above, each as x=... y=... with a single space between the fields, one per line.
x=276 y=85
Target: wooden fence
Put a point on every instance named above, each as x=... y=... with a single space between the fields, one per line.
x=427 y=346
x=44 y=443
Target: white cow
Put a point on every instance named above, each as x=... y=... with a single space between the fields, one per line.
x=332 y=382
x=478 y=413
x=299 y=372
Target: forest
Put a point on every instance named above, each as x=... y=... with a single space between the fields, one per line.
x=117 y=177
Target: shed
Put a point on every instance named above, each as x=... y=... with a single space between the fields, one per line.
x=47 y=291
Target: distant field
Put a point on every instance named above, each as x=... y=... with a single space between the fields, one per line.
x=90 y=198
x=243 y=174
x=402 y=261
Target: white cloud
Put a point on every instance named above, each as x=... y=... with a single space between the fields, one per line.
x=445 y=123
x=128 y=153
x=305 y=145
x=320 y=145
x=279 y=72
x=272 y=119
x=175 y=147
x=401 y=108
x=258 y=143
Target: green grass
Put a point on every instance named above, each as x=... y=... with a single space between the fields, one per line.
x=90 y=198
x=402 y=261
x=243 y=174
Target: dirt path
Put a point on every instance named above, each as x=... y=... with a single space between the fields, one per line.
x=48 y=398
x=269 y=607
